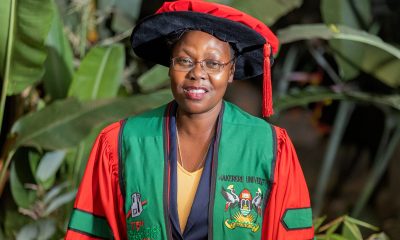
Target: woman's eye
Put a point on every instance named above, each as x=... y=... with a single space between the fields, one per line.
x=212 y=64
x=185 y=61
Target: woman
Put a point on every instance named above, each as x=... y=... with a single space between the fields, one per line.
x=198 y=167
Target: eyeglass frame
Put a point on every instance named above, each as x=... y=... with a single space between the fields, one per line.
x=220 y=64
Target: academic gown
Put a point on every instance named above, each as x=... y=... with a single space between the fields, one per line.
x=99 y=213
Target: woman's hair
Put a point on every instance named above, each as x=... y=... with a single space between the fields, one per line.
x=173 y=38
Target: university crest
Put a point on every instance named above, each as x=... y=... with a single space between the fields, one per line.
x=136 y=206
x=244 y=209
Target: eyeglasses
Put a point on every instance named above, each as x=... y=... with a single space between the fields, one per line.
x=186 y=64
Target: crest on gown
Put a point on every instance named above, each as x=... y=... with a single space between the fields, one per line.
x=244 y=209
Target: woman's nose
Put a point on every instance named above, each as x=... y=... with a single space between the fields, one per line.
x=198 y=71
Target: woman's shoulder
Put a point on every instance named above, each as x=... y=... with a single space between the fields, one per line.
x=146 y=124
x=235 y=115
x=151 y=113
x=114 y=128
x=108 y=136
x=238 y=117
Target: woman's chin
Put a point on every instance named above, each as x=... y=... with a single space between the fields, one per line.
x=191 y=106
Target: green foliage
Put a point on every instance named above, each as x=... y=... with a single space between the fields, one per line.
x=59 y=61
x=77 y=77
x=303 y=97
x=42 y=229
x=22 y=52
x=378 y=57
x=78 y=102
x=355 y=14
x=153 y=79
x=49 y=165
x=268 y=11
x=344 y=228
x=100 y=73
x=23 y=196
x=73 y=120
x=25 y=27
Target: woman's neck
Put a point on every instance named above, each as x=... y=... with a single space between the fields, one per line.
x=197 y=124
x=194 y=137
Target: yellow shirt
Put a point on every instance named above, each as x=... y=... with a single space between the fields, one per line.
x=187 y=187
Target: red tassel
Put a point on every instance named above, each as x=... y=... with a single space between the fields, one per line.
x=267 y=84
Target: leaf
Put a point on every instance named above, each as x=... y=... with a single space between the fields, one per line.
x=298 y=97
x=55 y=191
x=332 y=228
x=121 y=21
x=319 y=237
x=336 y=237
x=59 y=201
x=28 y=232
x=65 y=123
x=130 y=7
x=5 y=14
x=310 y=31
x=378 y=236
x=308 y=95
x=361 y=223
x=49 y=165
x=318 y=222
x=154 y=78
x=19 y=176
x=34 y=159
x=82 y=154
x=99 y=74
x=59 y=62
x=351 y=231
x=382 y=64
x=47 y=228
x=391 y=100
x=25 y=25
x=343 y=12
x=105 y=5
x=12 y=220
x=268 y=11
x=379 y=58
x=43 y=229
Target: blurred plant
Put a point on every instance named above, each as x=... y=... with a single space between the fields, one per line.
x=39 y=197
x=66 y=93
x=358 y=52
x=66 y=72
x=345 y=228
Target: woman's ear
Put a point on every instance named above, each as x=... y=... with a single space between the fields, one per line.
x=231 y=73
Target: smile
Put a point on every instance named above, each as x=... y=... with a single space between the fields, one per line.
x=194 y=93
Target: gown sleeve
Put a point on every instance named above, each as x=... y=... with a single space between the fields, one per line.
x=98 y=209
x=288 y=213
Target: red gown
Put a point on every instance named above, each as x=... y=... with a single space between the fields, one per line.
x=99 y=193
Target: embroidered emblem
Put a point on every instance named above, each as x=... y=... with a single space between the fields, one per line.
x=145 y=233
x=136 y=206
x=137 y=225
x=139 y=229
x=243 y=209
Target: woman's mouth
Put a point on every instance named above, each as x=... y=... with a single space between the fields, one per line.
x=195 y=93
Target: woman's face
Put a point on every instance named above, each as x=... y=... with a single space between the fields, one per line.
x=195 y=90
